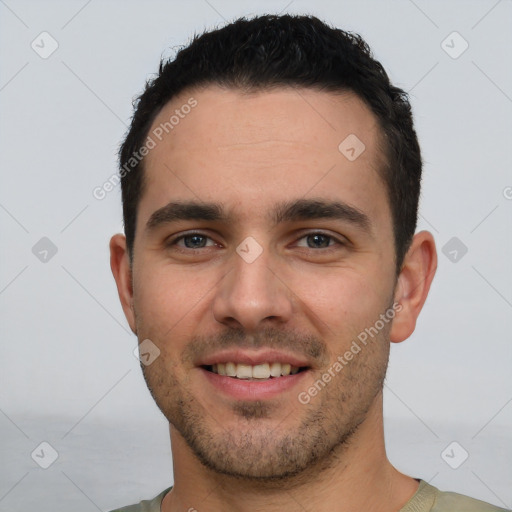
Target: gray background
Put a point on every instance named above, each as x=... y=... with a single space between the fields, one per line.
x=68 y=374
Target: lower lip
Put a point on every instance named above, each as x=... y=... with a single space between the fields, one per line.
x=242 y=389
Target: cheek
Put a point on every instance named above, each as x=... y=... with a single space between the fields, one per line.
x=154 y=297
x=167 y=298
x=342 y=304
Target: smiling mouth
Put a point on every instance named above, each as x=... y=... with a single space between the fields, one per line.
x=254 y=372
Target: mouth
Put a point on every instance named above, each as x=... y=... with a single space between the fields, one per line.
x=264 y=374
x=257 y=372
x=251 y=382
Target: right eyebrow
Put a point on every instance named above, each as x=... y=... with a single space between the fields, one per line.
x=185 y=210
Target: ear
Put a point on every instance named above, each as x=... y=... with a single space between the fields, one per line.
x=418 y=269
x=120 y=265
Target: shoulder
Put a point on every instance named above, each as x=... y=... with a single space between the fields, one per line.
x=146 y=505
x=430 y=499
x=453 y=502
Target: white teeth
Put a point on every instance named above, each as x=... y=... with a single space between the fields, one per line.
x=244 y=371
x=275 y=369
x=231 y=369
x=261 y=371
x=258 y=371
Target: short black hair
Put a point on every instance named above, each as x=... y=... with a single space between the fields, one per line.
x=270 y=51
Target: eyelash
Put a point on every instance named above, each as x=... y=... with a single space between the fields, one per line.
x=174 y=241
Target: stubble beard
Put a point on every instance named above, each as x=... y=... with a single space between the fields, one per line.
x=309 y=440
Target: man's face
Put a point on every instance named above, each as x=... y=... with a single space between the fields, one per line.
x=286 y=257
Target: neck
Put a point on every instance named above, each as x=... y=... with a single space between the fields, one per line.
x=357 y=476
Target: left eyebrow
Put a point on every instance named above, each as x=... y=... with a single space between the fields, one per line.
x=308 y=209
x=290 y=211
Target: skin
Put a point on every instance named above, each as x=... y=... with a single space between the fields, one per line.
x=308 y=296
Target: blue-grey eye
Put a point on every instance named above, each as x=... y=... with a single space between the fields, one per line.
x=318 y=241
x=194 y=241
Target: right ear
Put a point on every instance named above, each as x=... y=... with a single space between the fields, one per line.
x=120 y=265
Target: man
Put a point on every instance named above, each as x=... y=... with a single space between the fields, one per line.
x=270 y=183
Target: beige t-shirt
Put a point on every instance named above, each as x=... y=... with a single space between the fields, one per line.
x=426 y=499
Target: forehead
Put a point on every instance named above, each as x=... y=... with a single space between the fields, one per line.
x=253 y=149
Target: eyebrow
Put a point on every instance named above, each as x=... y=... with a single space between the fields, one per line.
x=185 y=210
x=290 y=211
x=310 y=209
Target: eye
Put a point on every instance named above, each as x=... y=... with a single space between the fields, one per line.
x=318 y=241
x=192 y=241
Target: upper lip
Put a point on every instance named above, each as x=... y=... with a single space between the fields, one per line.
x=239 y=356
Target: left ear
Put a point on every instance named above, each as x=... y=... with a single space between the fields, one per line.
x=418 y=269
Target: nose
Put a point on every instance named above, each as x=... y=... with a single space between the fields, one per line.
x=252 y=294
